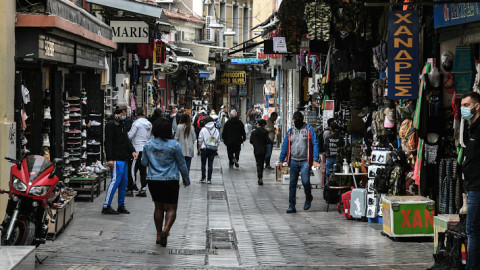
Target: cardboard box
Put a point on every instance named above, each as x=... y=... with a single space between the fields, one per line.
x=408 y=216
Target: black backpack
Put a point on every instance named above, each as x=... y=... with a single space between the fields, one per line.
x=382 y=179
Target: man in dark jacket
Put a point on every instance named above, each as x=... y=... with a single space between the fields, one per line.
x=233 y=136
x=260 y=139
x=118 y=150
x=471 y=170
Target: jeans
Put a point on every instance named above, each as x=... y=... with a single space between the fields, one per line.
x=329 y=161
x=210 y=155
x=301 y=167
x=268 y=155
x=260 y=159
x=473 y=230
x=137 y=166
x=188 y=160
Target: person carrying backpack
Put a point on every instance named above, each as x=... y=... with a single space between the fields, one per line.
x=208 y=139
x=198 y=123
x=260 y=140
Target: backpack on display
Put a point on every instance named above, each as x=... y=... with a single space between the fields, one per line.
x=378 y=123
x=211 y=143
x=382 y=179
x=200 y=121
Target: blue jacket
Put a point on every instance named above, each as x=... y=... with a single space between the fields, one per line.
x=164 y=159
x=312 y=146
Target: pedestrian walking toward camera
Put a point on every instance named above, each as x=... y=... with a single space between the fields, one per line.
x=270 y=127
x=233 y=136
x=164 y=158
x=185 y=135
x=139 y=134
x=209 y=139
x=157 y=114
x=300 y=149
x=118 y=150
x=260 y=141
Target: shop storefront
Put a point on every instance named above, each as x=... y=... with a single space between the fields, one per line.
x=61 y=68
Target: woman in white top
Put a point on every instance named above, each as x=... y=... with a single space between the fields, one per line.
x=185 y=135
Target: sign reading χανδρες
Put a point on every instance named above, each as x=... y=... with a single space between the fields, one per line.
x=233 y=77
x=403 y=55
x=130 y=31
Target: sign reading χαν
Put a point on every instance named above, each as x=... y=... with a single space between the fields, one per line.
x=403 y=55
x=233 y=77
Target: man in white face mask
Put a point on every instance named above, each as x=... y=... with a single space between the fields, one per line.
x=471 y=170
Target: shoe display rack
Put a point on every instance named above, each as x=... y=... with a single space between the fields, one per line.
x=95 y=114
x=46 y=122
x=74 y=137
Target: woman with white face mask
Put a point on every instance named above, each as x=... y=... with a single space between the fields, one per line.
x=470 y=110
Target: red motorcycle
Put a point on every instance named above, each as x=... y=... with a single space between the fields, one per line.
x=34 y=188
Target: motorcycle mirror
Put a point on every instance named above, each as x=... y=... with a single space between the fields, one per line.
x=58 y=162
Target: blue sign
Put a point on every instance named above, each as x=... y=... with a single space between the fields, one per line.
x=246 y=61
x=403 y=54
x=449 y=14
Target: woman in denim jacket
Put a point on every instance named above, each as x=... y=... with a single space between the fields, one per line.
x=164 y=158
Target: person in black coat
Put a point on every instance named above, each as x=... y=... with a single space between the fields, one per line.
x=233 y=136
x=260 y=140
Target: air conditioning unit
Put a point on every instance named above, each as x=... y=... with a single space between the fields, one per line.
x=210 y=34
x=208 y=20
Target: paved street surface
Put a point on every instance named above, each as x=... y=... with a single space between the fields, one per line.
x=232 y=223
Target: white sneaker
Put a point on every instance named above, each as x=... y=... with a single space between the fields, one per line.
x=66 y=117
x=84 y=133
x=46 y=140
x=75 y=114
x=66 y=155
x=46 y=113
x=67 y=130
x=84 y=155
x=95 y=123
x=93 y=142
x=83 y=123
x=84 y=145
x=100 y=165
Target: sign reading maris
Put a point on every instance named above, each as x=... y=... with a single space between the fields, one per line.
x=130 y=31
x=403 y=55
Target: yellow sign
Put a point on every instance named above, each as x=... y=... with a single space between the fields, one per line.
x=233 y=77
x=387 y=221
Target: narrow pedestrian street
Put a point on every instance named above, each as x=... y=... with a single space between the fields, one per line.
x=232 y=223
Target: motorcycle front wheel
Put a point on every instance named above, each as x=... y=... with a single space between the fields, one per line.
x=22 y=234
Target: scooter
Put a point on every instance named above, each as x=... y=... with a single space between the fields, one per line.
x=34 y=190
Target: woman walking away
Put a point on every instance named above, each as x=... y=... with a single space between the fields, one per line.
x=164 y=158
x=260 y=140
x=185 y=135
x=208 y=140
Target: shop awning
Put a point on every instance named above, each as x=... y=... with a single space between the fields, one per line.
x=181 y=59
x=72 y=13
x=203 y=72
x=130 y=6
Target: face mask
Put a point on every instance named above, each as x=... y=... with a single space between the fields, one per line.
x=467 y=113
x=124 y=117
x=298 y=123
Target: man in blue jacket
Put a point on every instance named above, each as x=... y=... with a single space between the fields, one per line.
x=300 y=149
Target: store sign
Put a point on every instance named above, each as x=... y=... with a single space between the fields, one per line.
x=146 y=66
x=49 y=48
x=130 y=31
x=279 y=45
x=233 y=77
x=262 y=55
x=449 y=14
x=403 y=55
x=246 y=61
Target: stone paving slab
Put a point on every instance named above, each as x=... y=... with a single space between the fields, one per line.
x=265 y=236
